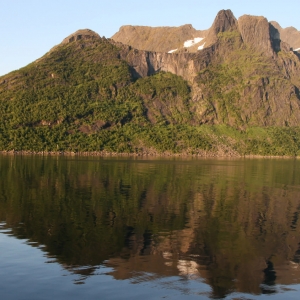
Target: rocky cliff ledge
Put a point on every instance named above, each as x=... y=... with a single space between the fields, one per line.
x=226 y=35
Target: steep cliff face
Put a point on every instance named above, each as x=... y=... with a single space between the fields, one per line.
x=248 y=75
x=256 y=33
x=289 y=35
x=181 y=63
x=145 y=63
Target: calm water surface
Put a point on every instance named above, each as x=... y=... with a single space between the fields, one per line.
x=118 y=228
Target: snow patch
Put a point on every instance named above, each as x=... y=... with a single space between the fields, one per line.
x=201 y=47
x=297 y=49
x=197 y=40
x=171 y=51
x=190 y=43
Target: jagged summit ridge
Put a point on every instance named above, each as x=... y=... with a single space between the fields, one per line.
x=256 y=32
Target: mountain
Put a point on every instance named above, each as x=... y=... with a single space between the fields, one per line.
x=289 y=35
x=238 y=95
x=186 y=38
x=157 y=39
x=248 y=54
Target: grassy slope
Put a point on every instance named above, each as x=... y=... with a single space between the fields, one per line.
x=75 y=100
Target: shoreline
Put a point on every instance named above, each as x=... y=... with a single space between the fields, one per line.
x=202 y=154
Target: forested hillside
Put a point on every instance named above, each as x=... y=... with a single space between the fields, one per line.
x=91 y=94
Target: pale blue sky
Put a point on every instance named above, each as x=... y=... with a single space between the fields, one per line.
x=29 y=28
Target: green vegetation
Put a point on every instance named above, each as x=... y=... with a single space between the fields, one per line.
x=82 y=97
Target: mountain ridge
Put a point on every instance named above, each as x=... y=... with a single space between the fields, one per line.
x=128 y=35
x=238 y=95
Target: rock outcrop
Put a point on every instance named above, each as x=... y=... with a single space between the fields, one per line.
x=146 y=63
x=257 y=34
x=224 y=22
x=82 y=34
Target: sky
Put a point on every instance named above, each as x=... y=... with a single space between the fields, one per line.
x=30 y=28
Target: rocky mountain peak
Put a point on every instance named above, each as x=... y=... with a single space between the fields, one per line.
x=224 y=21
x=82 y=34
x=258 y=33
x=267 y=37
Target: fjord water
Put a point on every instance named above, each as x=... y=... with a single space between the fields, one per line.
x=127 y=228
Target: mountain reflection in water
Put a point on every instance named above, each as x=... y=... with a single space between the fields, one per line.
x=232 y=224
